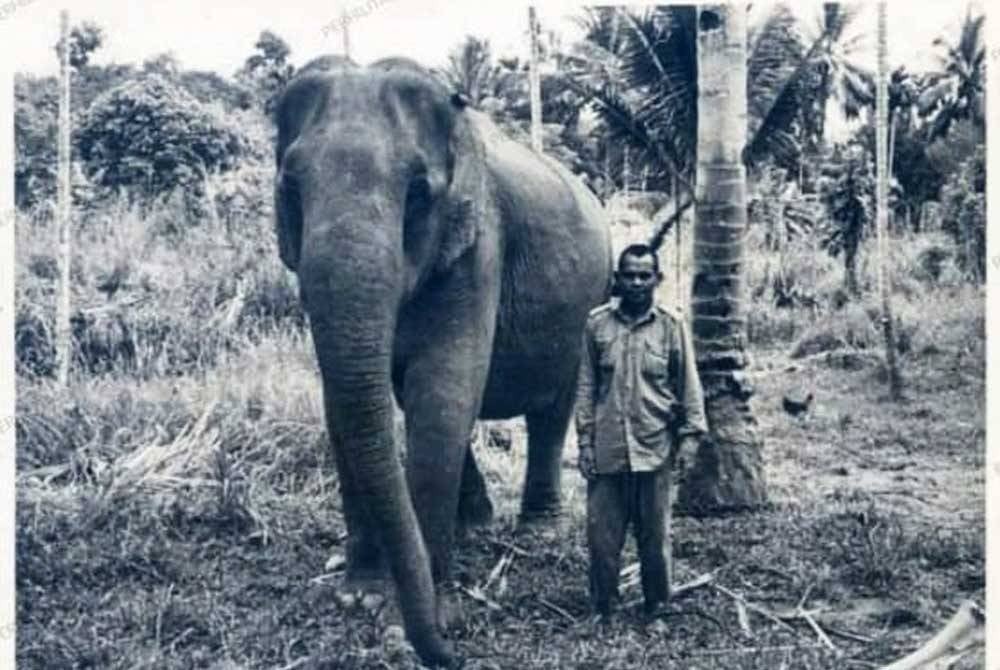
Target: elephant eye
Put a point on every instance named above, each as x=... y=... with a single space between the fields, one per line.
x=418 y=199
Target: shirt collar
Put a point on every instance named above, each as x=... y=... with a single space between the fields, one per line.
x=648 y=315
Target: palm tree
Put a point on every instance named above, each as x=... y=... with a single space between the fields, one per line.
x=729 y=472
x=838 y=76
x=958 y=89
x=640 y=70
x=472 y=72
x=882 y=200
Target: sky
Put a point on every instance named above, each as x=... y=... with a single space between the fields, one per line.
x=218 y=35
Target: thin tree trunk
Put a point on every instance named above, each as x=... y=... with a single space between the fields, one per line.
x=882 y=202
x=345 y=21
x=851 y=271
x=728 y=473
x=64 y=345
x=534 y=82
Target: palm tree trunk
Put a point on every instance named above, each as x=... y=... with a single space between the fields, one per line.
x=882 y=201
x=728 y=473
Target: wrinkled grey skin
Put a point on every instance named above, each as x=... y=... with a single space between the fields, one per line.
x=444 y=264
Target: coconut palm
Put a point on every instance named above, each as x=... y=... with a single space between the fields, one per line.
x=883 y=153
x=839 y=77
x=958 y=89
x=471 y=70
x=640 y=70
x=729 y=472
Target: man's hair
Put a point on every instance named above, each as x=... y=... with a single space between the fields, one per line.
x=638 y=251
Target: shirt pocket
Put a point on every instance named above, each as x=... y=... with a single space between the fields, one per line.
x=655 y=366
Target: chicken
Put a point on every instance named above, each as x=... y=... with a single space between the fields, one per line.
x=796 y=407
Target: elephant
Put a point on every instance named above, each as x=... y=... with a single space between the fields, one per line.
x=442 y=265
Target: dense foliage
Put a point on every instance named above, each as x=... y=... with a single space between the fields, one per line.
x=849 y=195
x=151 y=136
x=964 y=200
x=618 y=106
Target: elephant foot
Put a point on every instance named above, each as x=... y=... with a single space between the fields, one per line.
x=435 y=653
x=475 y=512
x=364 y=589
x=368 y=596
x=542 y=513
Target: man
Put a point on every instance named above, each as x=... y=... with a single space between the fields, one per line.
x=639 y=406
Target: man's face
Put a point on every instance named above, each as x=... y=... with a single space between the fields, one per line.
x=637 y=279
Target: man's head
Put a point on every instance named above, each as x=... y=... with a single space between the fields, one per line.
x=637 y=276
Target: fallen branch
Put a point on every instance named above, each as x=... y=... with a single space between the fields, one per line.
x=697 y=582
x=764 y=612
x=511 y=546
x=555 y=608
x=752 y=650
x=848 y=635
x=963 y=632
x=743 y=618
x=823 y=637
x=499 y=569
x=801 y=611
x=476 y=594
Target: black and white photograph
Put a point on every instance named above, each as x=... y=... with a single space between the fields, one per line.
x=412 y=334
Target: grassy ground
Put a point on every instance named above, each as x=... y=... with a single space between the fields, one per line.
x=175 y=511
x=193 y=535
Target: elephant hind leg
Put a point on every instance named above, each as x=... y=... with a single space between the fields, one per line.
x=542 y=496
x=474 y=506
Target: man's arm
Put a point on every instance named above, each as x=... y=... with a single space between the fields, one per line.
x=585 y=386
x=689 y=392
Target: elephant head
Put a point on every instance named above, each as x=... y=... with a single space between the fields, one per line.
x=380 y=189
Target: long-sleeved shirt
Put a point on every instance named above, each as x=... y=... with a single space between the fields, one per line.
x=638 y=389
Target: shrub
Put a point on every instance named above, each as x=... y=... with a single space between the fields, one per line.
x=963 y=199
x=152 y=137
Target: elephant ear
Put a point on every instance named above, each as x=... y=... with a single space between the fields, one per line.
x=468 y=193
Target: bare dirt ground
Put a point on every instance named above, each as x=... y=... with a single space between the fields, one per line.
x=876 y=529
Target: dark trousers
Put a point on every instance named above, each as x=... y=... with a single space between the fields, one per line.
x=642 y=498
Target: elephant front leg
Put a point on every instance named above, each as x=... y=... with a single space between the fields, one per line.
x=365 y=570
x=441 y=402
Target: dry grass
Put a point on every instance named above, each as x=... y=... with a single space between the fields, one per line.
x=176 y=513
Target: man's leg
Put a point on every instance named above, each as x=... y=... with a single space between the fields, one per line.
x=652 y=534
x=606 y=521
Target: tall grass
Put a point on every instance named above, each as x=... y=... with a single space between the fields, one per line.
x=934 y=307
x=192 y=437
x=154 y=293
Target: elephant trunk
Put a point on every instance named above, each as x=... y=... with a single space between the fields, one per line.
x=351 y=285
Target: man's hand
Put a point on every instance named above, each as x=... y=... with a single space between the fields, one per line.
x=687 y=451
x=586 y=463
